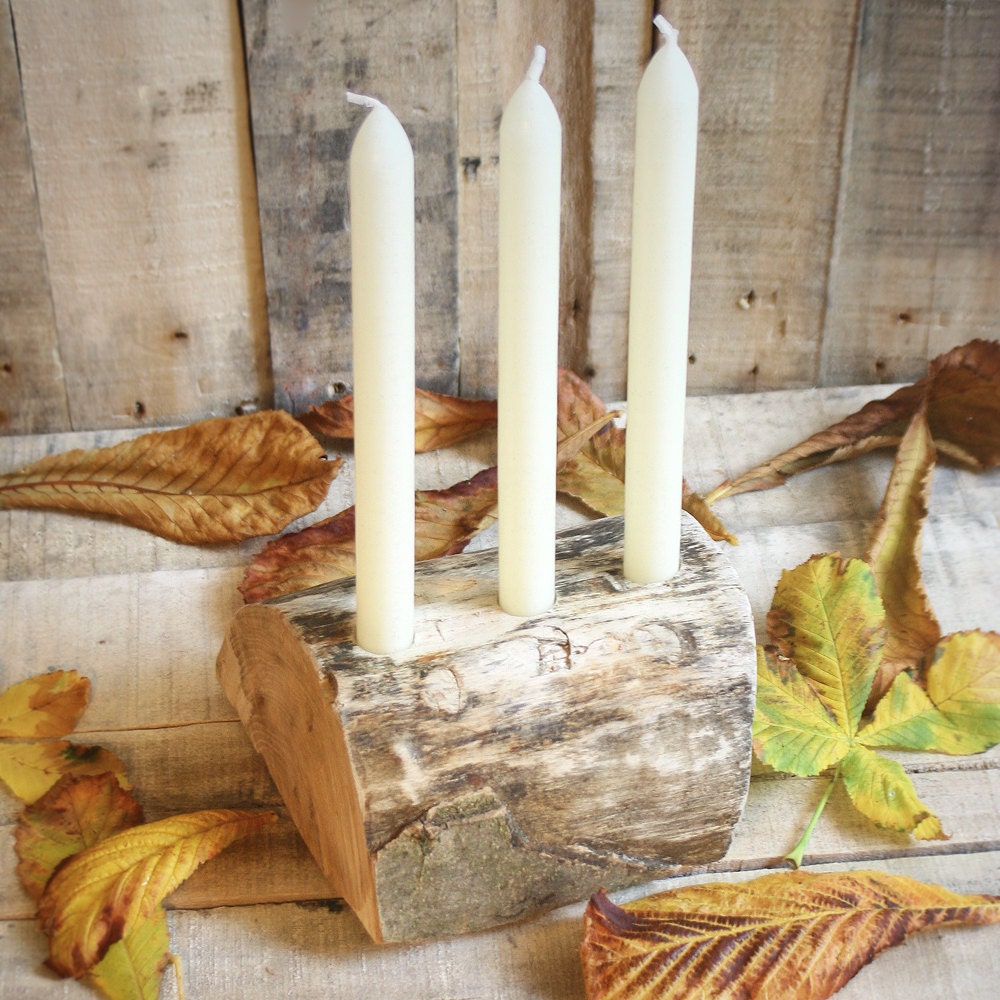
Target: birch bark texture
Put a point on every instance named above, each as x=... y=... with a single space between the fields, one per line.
x=502 y=766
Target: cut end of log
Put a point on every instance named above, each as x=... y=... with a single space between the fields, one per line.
x=503 y=766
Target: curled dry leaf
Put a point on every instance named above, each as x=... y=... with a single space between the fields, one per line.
x=446 y=521
x=30 y=769
x=220 y=480
x=593 y=470
x=787 y=936
x=440 y=420
x=104 y=892
x=894 y=556
x=962 y=395
x=43 y=706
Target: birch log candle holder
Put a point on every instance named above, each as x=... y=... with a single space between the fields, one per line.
x=502 y=766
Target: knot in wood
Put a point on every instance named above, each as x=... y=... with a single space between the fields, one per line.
x=441 y=691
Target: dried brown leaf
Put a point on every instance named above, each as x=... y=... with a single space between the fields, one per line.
x=441 y=420
x=894 y=556
x=962 y=394
x=787 y=936
x=446 y=521
x=593 y=470
x=220 y=480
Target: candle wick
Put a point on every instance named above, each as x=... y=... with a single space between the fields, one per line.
x=666 y=29
x=537 y=63
x=364 y=101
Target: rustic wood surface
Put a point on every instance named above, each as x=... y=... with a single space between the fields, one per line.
x=846 y=222
x=140 y=151
x=30 y=373
x=145 y=619
x=495 y=768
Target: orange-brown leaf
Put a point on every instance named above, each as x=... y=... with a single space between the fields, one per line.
x=962 y=394
x=788 y=936
x=446 y=521
x=219 y=480
x=894 y=556
x=441 y=420
x=594 y=470
x=43 y=706
x=105 y=891
x=75 y=813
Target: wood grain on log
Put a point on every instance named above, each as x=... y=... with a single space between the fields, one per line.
x=502 y=766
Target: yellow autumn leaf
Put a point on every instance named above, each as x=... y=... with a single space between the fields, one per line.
x=133 y=967
x=963 y=681
x=101 y=894
x=787 y=936
x=43 y=706
x=219 y=480
x=74 y=814
x=30 y=769
x=77 y=812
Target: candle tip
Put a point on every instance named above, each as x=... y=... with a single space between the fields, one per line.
x=665 y=28
x=363 y=100
x=537 y=64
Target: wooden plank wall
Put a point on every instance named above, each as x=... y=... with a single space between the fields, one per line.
x=847 y=221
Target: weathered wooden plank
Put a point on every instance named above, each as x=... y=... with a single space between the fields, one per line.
x=301 y=60
x=150 y=673
x=772 y=78
x=595 y=58
x=915 y=267
x=168 y=768
x=316 y=950
x=32 y=394
x=142 y=160
x=479 y=104
x=623 y=44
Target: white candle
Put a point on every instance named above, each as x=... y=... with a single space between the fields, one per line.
x=530 y=169
x=383 y=297
x=666 y=139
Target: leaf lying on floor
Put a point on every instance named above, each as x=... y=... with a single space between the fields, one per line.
x=828 y=628
x=220 y=480
x=440 y=420
x=962 y=395
x=43 y=706
x=30 y=769
x=446 y=521
x=104 y=892
x=894 y=556
x=76 y=814
x=787 y=936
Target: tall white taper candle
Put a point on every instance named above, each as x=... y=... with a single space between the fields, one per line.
x=383 y=304
x=666 y=139
x=530 y=174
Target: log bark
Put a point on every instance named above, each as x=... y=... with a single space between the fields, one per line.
x=502 y=766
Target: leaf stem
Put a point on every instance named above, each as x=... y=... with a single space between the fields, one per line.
x=796 y=853
x=175 y=962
